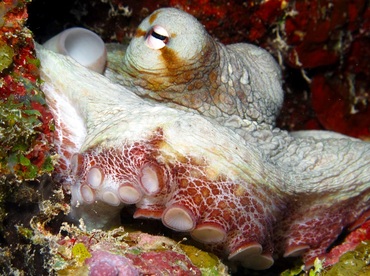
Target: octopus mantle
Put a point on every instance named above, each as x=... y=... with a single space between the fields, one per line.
x=253 y=192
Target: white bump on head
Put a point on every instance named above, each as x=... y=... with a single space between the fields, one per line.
x=129 y=194
x=87 y=194
x=178 y=218
x=95 y=177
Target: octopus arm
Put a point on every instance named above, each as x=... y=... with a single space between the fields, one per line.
x=329 y=183
x=110 y=112
x=70 y=129
x=194 y=174
x=332 y=164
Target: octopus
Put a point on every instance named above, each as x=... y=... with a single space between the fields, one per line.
x=182 y=128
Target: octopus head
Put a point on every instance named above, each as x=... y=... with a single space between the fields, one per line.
x=166 y=43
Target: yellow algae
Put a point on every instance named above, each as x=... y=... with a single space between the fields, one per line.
x=80 y=252
x=198 y=257
x=6 y=56
x=82 y=270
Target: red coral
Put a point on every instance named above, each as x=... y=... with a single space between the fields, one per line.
x=350 y=243
x=341 y=98
x=11 y=86
x=105 y=263
x=234 y=21
x=313 y=29
x=330 y=40
x=164 y=263
x=336 y=106
x=265 y=16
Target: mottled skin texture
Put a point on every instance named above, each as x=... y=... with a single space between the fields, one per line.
x=197 y=148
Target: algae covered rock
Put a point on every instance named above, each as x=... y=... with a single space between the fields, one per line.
x=129 y=253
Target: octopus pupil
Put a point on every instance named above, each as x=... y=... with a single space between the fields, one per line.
x=158 y=36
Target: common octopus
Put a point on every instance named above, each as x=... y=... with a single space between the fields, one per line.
x=183 y=128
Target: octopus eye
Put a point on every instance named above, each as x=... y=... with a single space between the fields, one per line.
x=156 y=38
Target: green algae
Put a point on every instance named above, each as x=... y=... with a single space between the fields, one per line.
x=6 y=56
x=25 y=232
x=208 y=263
x=17 y=132
x=19 y=129
x=295 y=271
x=24 y=118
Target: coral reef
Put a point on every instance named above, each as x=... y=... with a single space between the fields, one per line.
x=25 y=121
x=118 y=252
x=359 y=237
x=327 y=41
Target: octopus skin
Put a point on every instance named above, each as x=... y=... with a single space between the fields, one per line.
x=182 y=127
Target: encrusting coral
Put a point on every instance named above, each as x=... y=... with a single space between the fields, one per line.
x=25 y=125
x=25 y=129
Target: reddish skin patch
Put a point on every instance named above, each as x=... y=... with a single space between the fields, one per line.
x=245 y=211
x=316 y=229
x=248 y=214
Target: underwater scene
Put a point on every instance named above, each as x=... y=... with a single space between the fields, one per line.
x=177 y=137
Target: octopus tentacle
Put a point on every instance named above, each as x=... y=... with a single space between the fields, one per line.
x=83 y=45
